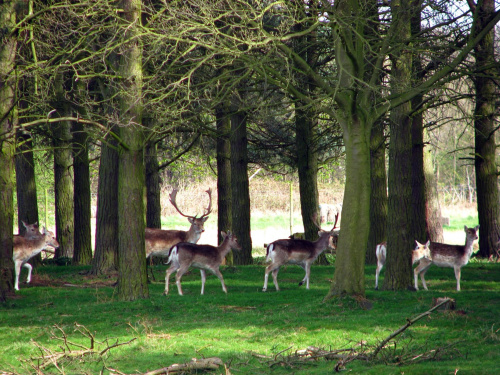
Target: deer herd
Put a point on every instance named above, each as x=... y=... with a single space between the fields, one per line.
x=182 y=252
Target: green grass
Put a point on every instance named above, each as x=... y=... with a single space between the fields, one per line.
x=174 y=329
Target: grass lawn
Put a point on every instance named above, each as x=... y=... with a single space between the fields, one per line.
x=251 y=331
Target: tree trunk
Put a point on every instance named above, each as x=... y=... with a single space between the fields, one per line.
x=378 y=196
x=400 y=218
x=349 y=276
x=153 y=196
x=132 y=276
x=239 y=188
x=223 y=175
x=83 y=239
x=63 y=175
x=433 y=209
x=488 y=206
x=7 y=122
x=106 y=238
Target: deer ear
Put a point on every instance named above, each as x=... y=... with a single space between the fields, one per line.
x=191 y=220
x=223 y=234
x=428 y=243
x=25 y=225
x=205 y=219
x=418 y=243
x=465 y=228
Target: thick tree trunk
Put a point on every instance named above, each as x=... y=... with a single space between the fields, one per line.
x=83 y=239
x=224 y=203
x=488 y=206
x=349 y=276
x=401 y=228
x=239 y=189
x=8 y=120
x=132 y=276
x=106 y=238
x=378 y=197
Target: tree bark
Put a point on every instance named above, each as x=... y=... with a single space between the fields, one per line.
x=378 y=196
x=239 y=188
x=488 y=206
x=132 y=275
x=106 y=238
x=63 y=174
x=83 y=239
x=433 y=209
x=153 y=181
x=400 y=218
x=224 y=201
x=8 y=120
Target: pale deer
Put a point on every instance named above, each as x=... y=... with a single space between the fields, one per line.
x=31 y=231
x=420 y=251
x=205 y=257
x=160 y=241
x=444 y=255
x=296 y=251
x=27 y=248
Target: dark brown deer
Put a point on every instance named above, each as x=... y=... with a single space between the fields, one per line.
x=296 y=251
x=205 y=257
x=420 y=251
x=27 y=248
x=444 y=255
x=160 y=241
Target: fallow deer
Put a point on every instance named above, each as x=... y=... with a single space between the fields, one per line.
x=160 y=241
x=420 y=251
x=205 y=257
x=296 y=251
x=27 y=248
x=444 y=255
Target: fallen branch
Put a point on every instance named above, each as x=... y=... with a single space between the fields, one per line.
x=211 y=363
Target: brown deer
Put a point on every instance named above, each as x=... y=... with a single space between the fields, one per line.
x=296 y=251
x=160 y=241
x=27 y=248
x=205 y=257
x=444 y=255
x=420 y=251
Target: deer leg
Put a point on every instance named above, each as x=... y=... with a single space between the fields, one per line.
x=181 y=271
x=18 y=272
x=174 y=267
x=203 y=279
x=457 y=276
x=28 y=266
x=269 y=268
x=219 y=275
x=275 y=278
x=421 y=269
x=377 y=273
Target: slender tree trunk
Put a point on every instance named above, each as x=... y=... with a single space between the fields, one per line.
x=106 y=238
x=83 y=240
x=378 y=197
x=433 y=209
x=240 y=189
x=153 y=196
x=132 y=276
x=488 y=205
x=63 y=175
x=224 y=216
x=8 y=120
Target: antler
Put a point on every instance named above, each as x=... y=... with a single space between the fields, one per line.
x=173 y=195
x=336 y=219
x=209 y=208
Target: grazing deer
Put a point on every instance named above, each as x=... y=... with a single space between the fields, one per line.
x=444 y=255
x=159 y=241
x=205 y=257
x=296 y=251
x=420 y=251
x=27 y=248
